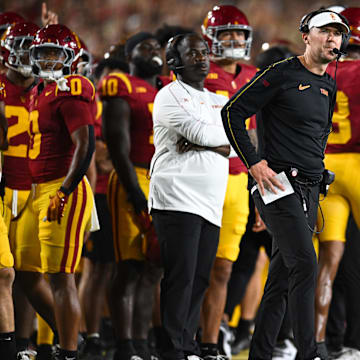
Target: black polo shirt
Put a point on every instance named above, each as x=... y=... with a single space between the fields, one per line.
x=295 y=107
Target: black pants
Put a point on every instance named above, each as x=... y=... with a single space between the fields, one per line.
x=346 y=295
x=292 y=273
x=244 y=268
x=188 y=248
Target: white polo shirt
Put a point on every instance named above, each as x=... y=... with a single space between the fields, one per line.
x=195 y=181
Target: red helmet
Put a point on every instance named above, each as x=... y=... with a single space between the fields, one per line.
x=9 y=18
x=15 y=45
x=352 y=14
x=85 y=64
x=53 y=45
x=226 y=17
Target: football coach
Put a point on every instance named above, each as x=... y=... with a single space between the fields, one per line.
x=295 y=98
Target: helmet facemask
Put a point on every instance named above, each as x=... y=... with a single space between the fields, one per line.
x=47 y=58
x=230 y=49
x=19 y=54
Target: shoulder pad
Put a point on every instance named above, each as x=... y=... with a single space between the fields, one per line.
x=77 y=86
x=115 y=85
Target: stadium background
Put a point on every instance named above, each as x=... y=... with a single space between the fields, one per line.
x=104 y=22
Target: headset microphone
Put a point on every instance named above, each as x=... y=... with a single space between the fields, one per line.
x=338 y=52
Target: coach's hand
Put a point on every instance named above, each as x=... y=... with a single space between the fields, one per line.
x=57 y=207
x=264 y=176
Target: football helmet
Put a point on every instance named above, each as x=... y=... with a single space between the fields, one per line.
x=9 y=18
x=85 y=64
x=55 y=52
x=352 y=14
x=15 y=44
x=227 y=17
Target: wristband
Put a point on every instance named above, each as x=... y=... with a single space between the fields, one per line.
x=64 y=190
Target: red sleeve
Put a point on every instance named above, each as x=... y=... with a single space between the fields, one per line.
x=76 y=113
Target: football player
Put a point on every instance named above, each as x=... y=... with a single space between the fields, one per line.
x=6 y=19
x=128 y=131
x=229 y=36
x=17 y=83
x=7 y=275
x=60 y=149
x=342 y=157
x=99 y=250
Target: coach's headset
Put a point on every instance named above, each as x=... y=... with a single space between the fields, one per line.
x=345 y=37
x=173 y=58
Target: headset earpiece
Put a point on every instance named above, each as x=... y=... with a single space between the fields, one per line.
x=173 y=59
x=345 y=37
x=345 y=41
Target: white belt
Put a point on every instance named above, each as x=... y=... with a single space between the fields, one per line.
x=14 y=203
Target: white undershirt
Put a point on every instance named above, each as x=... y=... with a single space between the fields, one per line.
x=195 y=181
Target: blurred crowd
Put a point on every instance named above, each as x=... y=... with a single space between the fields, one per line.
x=104 y=22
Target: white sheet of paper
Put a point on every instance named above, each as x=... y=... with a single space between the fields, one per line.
x=269 y=196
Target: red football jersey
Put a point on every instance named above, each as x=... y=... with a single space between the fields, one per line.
x=16 y=101
x=345 y=135
x=54 y=115
x=140 y=95
x=221 y=82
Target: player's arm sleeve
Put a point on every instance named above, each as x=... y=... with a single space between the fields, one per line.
x=175 y=109
x=78 y=118
x=251 y=98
